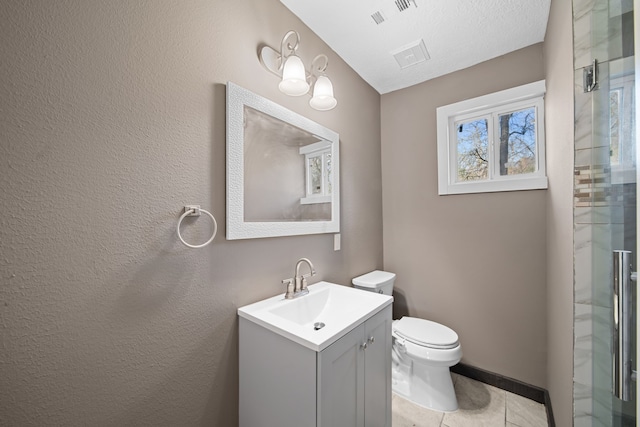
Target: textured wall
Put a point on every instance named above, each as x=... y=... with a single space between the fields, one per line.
x=558 y=59
x=475 y=262
x=112 y=117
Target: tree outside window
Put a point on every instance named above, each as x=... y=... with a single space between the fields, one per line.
x=493 y=143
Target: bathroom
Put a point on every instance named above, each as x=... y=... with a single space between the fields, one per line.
x=113 y=118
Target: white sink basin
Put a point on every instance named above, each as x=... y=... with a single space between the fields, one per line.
x=339 y=308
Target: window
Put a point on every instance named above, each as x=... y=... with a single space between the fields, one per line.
x=317 y=160
x=493 y=143
x=622 y=154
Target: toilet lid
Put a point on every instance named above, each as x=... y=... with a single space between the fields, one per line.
x=425 y=333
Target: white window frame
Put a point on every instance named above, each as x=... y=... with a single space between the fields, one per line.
x=492 y=105
x=320 y=149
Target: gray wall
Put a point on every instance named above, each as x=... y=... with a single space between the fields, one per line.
x=112 y=118
x=474 y=262
x=558 y=59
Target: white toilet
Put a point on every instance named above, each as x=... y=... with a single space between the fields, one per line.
x=422 y=352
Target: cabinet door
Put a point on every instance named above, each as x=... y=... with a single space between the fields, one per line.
x=377 y=405
x=341 y=382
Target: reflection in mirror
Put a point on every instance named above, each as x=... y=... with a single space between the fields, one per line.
x=283 y=176
x=282 y=170
x=619 y=120
x=317 y=173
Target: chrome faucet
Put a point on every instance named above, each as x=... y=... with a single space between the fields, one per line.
x=297 y=285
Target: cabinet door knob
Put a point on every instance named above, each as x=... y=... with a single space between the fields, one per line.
x=363 y=346
x=371 y=340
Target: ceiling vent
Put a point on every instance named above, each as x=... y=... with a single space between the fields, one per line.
x=403 y=5
x=387 y=11
x=378 y=17
x=412 y=54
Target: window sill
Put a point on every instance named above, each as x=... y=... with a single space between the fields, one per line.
x=315 y=200
x=535 y=183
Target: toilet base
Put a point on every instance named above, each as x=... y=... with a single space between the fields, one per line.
x=429 y=387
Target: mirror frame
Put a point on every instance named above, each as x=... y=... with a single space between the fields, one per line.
x=237 y=227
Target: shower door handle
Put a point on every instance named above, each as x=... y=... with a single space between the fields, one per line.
x=622 y=316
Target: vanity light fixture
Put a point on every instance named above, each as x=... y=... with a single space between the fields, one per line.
x=296 y=80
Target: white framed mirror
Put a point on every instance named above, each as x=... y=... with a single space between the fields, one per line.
x=282 y=170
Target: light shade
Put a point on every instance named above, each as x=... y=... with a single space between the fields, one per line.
x=323 y=95
x=294 y=79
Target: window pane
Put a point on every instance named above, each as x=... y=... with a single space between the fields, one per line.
x=614 y=125
x=472 y=149
x=315 y=174
x=518 y=142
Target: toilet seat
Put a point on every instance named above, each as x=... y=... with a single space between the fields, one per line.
x=425 y=333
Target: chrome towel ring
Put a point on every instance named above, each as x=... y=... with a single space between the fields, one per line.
x=195 y=210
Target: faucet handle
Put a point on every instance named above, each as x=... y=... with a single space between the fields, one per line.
x=303 y=285
x=290 y=293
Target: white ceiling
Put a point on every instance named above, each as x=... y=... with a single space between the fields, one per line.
x=457 y=33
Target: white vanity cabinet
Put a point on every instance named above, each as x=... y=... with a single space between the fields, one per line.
x=346 y=384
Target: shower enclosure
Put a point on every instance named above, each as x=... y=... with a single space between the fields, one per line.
x=605 y=216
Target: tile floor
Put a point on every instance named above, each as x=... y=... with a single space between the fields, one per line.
x=480 y=405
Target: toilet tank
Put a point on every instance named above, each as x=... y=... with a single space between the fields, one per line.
x=375 y=281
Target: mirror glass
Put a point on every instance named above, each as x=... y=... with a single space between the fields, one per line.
x=282 y=170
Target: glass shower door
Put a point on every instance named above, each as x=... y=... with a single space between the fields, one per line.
x=612 y=176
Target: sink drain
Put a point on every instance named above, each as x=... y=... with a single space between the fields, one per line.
x=318 y=325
